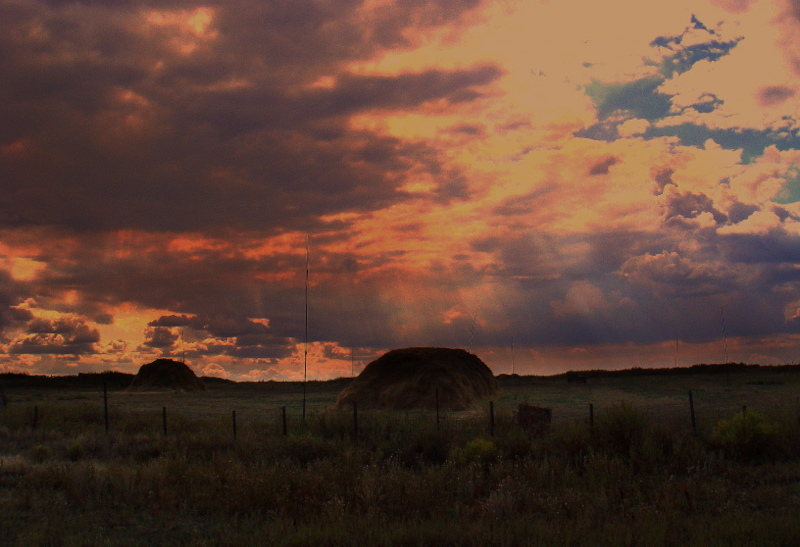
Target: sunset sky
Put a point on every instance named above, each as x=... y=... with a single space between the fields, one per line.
x=555 y=185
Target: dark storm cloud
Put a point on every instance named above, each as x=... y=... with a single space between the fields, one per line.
x=160 y=338
x=221 y=326
x=774 y=95
x=11 y=317
x=358 y=93
x=524 y=204
x=783 y=214
x=691 y=205
x=63 y=336
x=645 y=287
x=794 y=8
x=775 y=247
x=663 y=178
x=109 y=124
x=602 y=167
x=172 y=321
x=215 y=294
x=741 y=211
x=672 y=274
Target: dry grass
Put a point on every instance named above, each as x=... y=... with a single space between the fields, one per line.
x=639 y=477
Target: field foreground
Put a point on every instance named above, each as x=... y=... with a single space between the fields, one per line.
x=219 y=467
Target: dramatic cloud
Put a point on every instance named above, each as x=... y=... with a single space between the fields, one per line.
x=583 y=186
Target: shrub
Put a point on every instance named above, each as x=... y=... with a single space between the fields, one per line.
x=40 y=453
x=746 y=435
x=75 y=451
x=475 y=451
x=622 y=429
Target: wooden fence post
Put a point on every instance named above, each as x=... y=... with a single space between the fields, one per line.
x=164 y=419
x=591 y=416
x=691 y=412
x=283 y=417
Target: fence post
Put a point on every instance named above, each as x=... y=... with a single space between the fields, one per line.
x=105 y=405
x=164 y=419
x=591 y=416
x=691 y=412
x=491 y=418
x=283 y=418
x=355 y=421
x=234 y=425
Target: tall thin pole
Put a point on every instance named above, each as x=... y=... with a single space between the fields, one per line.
x=305 y=343
x=512 y=357
x=725 y=345
x=676 y=352
x=724 y=335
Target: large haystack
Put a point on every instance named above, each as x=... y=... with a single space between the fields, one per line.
x=166 y=374
x=409 y=378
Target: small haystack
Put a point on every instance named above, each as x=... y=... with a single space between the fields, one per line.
x=408 y=378
x=166 y=374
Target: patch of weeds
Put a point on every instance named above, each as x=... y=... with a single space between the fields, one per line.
x=746 y=435
x=478 y=450
x=75 y=451
x=40 y=453
x=305 y=449
x=515 y=445
x=622 y=429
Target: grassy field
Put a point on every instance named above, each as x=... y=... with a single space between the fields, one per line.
x=638 y=476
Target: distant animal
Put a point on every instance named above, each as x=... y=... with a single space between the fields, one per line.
x=534 y=418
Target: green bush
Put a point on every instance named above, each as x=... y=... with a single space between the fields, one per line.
x=475 y=451
x=746 y=435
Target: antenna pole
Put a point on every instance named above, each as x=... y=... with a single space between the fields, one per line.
x=724 y=335
x=676 y=352
x=725 y=345
x=512 y=357
x=305 y=342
